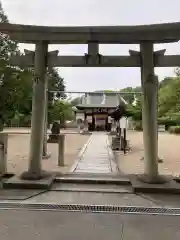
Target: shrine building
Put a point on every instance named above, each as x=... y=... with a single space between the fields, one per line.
x=96 y=109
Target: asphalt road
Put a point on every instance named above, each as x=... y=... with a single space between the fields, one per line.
x=51 y=225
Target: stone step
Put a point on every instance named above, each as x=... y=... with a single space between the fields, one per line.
x=80 y=187
x=91 y=171
x=93 y=178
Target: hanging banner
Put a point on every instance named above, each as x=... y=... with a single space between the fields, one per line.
x=101 y=116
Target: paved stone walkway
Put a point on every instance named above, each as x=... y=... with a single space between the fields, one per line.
x=96 y=157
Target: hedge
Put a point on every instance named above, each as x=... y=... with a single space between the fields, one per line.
x=174 y=129
x=138 y=126
x=168 y=123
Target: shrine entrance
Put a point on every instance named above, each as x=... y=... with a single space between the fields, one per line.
x=146 y=60
x=98 y=118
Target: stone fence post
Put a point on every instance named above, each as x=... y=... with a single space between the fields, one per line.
x=3 y=153
x=61 y=146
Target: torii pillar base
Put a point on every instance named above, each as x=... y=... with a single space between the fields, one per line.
x=29 y=180
x=34 y=176
x=152 y=180
x=160 y=160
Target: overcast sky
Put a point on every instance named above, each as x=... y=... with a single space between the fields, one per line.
x=97 y=12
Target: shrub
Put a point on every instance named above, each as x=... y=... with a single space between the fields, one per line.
x=138 y=126
x=168 y=122
x=174 y=129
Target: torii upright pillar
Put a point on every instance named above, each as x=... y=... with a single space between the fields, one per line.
x=149 y=113
x=51 y=56
x=38 y=113
x=149 y=83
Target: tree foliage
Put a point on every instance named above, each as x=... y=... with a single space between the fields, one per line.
x=131 y=93
x=61 y=111
x=169 y=99
x=16 y=83
x=8 y=74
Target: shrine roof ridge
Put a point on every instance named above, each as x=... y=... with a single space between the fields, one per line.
x=157 y=33
x=82 y=106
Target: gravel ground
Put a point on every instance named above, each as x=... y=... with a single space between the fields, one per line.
x=169 y=151
x=18 y=151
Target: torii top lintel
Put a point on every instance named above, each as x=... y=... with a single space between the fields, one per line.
x=157 y=33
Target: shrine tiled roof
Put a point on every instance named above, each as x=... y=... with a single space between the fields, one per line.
x=100 y=100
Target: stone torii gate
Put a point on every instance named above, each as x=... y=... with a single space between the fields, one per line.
x=146 y=59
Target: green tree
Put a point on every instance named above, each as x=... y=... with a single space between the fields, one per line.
x=8 y=74
x=7 y=46
x=56 y=91
x=13 y=80
x=131 y=93
x=61 y=111
x=56 y=83
x=169 y=98
x=16 y=83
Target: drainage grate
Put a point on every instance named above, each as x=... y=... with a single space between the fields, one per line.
x=92 y=208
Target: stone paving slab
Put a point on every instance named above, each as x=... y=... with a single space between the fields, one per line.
x=55 y=225
x=95 y=158
x=163 y=200
x=90 y=198
x=18 y=194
